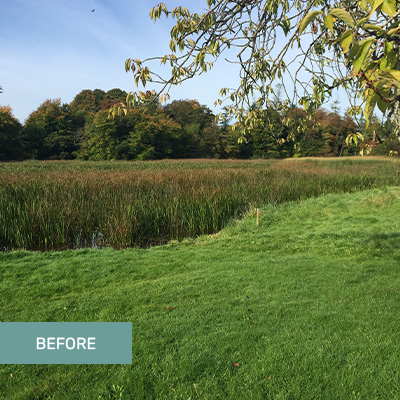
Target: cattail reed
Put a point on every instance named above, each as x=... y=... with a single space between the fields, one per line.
x=46 y=206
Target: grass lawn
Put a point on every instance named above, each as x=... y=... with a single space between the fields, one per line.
x=304 y=306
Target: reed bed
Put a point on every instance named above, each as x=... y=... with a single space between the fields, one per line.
x=45 y=206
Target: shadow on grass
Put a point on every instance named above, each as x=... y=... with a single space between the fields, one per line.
x=384 y=241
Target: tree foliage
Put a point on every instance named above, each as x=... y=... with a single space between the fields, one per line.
x=200 y=133
x=52 y=131
x=10 y=135
x=87 y=101
x=91 y=101
x=182 y=129
x=316 y=45
x=140 y=135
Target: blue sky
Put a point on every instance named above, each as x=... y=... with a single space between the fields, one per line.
x=56 y=48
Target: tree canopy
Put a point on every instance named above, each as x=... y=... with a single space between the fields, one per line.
x=50 y=131
x=180 y=129
x=310 y=47
x=10 y=135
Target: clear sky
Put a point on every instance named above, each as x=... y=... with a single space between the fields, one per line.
x=55 y=48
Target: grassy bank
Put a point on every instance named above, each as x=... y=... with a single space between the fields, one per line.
x=59 y=205
x=303 y=306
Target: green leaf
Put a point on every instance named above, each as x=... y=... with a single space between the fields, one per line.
x=285 y=25
x=389 y=46
x=361 y=57
x=382 y=105
x=354 y=137
x=390 y=59
x=363 y=4
x=389 y=7
x=394 y=31
x=371 y=27
x=127 y=65
x=393 y=75
x=137 y=77
x=369 y=106
x=375 y=5
x=346 y=40
x=353 y=52
x=328 y=21
x=342 y=15
x=362 y=21
x=307 y=20
x=152 y=16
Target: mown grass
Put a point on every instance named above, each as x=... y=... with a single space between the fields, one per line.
x=306 y=304
x=59 y=205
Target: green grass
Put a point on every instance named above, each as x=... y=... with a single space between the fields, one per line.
x=306 y=303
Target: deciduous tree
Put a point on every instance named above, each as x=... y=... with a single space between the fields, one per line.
x=10 y=135
x=87 y=101
x=316 y=45
x=51 y=131
x=200 y=133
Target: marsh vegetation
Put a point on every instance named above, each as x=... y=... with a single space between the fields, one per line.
x=73 y=204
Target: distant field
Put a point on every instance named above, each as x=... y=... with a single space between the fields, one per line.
x=303 y=306
x=73 y=204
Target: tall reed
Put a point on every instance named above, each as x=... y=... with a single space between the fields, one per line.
x=66 y=208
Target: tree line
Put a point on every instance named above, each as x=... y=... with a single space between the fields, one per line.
x=84 y=130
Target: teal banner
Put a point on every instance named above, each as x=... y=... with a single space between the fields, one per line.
x=65 y=342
